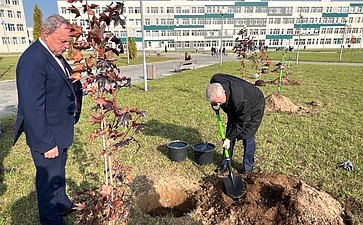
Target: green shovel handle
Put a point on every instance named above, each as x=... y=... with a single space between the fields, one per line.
x=221 y=129
x=220 y=125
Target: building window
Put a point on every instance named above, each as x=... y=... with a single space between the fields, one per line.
x=178 y=9
x=147 y=21
x=154 y=10
x=15 y=41
x=2 y=13
x=9 y=27
x=23 y=40
x=10 y=14
x=64 y=10
x=18 y=14
x=19 y=27
x=15 y=2
x=186 y=44
x=7 y=2
x=170 y=10
x=155 y=33
x=200 y=9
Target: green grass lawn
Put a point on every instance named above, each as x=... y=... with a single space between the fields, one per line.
x=303 y=146
x=320 y=55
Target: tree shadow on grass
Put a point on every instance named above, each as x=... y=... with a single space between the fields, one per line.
x=6 y=143
x=84 y=161
x=25 y=210
x=172 y=132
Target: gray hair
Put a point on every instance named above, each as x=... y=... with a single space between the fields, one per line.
x=53 y=22
x=213 y=90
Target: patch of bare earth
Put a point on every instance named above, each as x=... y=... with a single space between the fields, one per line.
x=277 y=102
x=269 y=199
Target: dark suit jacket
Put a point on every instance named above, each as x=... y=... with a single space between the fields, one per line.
x=244 y=106
x=46 y=101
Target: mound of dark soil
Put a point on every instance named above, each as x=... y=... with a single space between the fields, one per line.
x=276 y=102
x=270 y=199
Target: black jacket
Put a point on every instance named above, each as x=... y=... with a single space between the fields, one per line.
x=244 y=106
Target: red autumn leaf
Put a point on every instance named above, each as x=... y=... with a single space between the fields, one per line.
x=77 y=55
x=80 y=206
x=76 y=31
x=101 y=101
x=87 y=9
x=76 y=76
x=74 y=10
x=96 y=118
x=79 y=68
x=115 y=39
x=106 y=190
x=93 y=6
x=89 y=62
x=105 y=18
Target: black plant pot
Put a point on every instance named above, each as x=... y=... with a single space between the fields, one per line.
x=204 y=153
x=178 y=150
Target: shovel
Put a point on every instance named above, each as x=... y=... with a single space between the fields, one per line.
x=234 y=185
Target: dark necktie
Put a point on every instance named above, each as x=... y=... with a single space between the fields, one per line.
x=62 y=60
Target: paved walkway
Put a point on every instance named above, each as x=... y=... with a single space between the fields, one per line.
x=8 y=94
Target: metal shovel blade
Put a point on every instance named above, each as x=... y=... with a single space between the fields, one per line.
x=234 y=185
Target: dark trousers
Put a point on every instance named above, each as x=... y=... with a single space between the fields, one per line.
x=51 y=187
x=249 y=146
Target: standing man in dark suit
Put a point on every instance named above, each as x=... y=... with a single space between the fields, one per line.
x=244 y=105
x=49 y=106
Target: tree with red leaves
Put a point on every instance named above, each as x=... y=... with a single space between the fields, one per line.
x=115 y=125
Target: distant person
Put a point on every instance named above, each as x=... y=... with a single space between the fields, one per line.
x=49 y=104
x=224 y=51
x=244 y=105
x=166 y=49
x=187 y=56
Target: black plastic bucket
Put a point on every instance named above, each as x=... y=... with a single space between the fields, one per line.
x=178 y=150
x=204 y=153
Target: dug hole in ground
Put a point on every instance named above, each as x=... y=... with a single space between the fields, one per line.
x=269 y=199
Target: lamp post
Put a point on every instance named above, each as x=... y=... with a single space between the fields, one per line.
x=342 y=45
x=177 y=40
x=143 y=44
x=298 y=43
x=222 y=12
x=127 y=40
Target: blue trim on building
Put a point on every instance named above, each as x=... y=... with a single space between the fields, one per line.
x=356 y=4
x=278 y=36
x=251 y=4
x=318 y=25
x=214 y=15
x=170 y=27
x=334 y=14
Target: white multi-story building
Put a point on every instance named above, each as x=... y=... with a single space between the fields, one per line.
x=13 y=32
x=197 y=24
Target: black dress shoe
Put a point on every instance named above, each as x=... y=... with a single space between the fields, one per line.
x=67 y=211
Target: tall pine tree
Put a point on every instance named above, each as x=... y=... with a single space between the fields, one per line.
x=37 y=22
